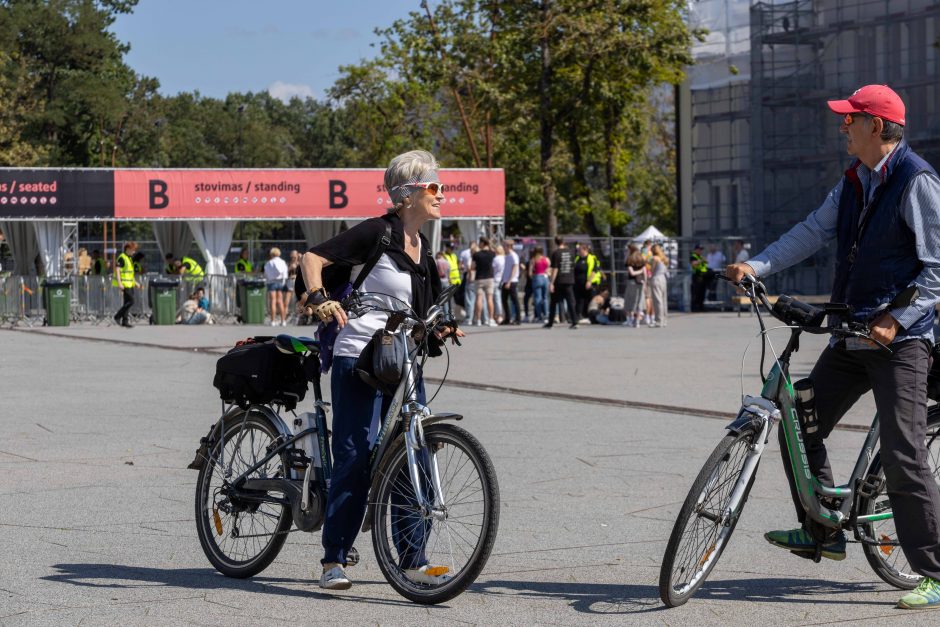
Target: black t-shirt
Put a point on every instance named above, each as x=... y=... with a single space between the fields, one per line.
x=563 y=261
x=484 y=264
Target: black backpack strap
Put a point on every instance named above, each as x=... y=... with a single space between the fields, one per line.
x=380 y=248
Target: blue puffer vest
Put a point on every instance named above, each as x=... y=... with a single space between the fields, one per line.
x=886 y=260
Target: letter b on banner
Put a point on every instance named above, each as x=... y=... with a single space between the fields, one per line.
x=158 y=196
x=338 y=197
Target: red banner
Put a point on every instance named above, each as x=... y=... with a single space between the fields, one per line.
x=290 y=194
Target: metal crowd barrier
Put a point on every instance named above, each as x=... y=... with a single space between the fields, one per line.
x=95 y=300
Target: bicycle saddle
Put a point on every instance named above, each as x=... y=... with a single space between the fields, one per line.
x=296 y=345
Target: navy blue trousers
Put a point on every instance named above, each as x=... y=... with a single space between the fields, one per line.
x=358 y=410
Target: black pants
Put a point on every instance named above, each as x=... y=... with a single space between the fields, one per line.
x=510 y=295
x=699 y=286
x=121 y=315
x=560 y=292
x=582 y=298
x=899 y=383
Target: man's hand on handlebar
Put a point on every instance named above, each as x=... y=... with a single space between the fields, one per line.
x=736 y=271
x=884 y=328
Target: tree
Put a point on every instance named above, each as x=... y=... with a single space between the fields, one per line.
x=16 y=106
x=555 y=91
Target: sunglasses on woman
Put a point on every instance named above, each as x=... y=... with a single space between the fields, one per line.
x=434 y=188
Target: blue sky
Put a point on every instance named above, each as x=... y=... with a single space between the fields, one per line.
x=286 y=47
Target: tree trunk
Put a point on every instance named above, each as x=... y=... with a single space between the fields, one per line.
x=546 y=125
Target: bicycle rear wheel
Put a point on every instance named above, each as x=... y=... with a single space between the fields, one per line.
x=454 y=531
x=888 y=560
x=705 y=523
x=240 y=538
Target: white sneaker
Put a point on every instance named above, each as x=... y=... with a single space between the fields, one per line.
x=274 y=323
x=467 y=322
x=283 y=323
x=491 y=323
x=429 y=575
x=584 y=321
x=335 y=579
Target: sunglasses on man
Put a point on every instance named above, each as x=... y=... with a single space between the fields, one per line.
x=850 y=117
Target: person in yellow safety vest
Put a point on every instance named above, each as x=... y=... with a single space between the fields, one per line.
x=124 y=278
x=699 y=278
x=138 y=260
x=451 y=257
x=99 y=265
x=587 y=276
x=169 y=267
x=190 y=269
x=242 y=265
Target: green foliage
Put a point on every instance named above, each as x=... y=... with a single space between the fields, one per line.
x=562 y=94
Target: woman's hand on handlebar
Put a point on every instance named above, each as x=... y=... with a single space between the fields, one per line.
x=737 y=271
x=446 y=331
x=325 y=311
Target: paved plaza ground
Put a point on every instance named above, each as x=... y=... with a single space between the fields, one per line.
x=96 y=505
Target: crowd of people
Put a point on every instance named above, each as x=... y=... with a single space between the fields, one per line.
x=567 y=286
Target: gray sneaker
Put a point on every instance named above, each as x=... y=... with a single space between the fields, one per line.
x=335 y=579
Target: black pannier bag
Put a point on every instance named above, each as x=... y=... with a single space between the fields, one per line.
x=256 y=372
x=933 y=375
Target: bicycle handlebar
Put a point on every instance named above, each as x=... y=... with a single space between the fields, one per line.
x=806 y=317
x=436 y=316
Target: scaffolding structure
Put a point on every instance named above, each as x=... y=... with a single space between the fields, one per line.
x=766 y=150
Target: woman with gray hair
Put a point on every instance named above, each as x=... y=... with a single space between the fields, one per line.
x=407 y=275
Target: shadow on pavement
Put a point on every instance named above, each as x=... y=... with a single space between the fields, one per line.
x=116 y=576
x=636 y=599
x=590 y=598
x=781 y=590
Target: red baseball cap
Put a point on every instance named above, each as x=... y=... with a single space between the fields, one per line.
x=877 y=100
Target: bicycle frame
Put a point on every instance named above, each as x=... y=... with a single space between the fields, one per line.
x=779 y=389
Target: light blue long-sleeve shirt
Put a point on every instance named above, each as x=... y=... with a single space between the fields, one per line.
x=920 y=208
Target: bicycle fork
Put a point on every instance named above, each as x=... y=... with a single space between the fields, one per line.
x=414 y=442
x=757 y=410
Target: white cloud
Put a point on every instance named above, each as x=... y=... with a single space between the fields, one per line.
x=285 y=91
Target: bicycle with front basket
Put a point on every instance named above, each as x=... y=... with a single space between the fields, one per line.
x=714 y=505
x=433 y=486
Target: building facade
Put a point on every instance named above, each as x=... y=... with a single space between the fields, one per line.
x=765 y=149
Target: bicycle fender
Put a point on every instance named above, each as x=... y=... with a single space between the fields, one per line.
x=441 y=417
x=208 y=441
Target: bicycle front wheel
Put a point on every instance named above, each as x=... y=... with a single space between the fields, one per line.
x=705 y=522
x=888 y=560
x=452 y=532
x=240 y=538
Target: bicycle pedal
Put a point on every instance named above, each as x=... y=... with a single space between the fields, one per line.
x=869 y=486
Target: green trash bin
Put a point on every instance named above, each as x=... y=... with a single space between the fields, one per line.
x=163 y=300
x=251 y=295
x=56 y=299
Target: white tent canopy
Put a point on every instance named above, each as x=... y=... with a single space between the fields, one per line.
x=651 y=233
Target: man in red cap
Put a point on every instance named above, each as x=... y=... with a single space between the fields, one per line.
x=884 y=215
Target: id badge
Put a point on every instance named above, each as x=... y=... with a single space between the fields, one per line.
x=859 y=344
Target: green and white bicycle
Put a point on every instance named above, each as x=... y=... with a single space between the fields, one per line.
x=714 y=505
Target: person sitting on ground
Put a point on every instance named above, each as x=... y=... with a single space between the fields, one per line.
x=195 y=309
x=598 y=306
